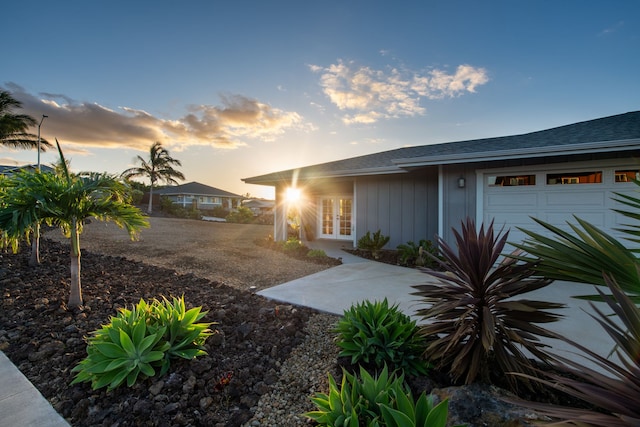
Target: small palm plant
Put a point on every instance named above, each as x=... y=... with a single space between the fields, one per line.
x=472 y=321
x=66 y=200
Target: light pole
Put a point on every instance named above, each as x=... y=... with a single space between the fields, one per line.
x=44 y=116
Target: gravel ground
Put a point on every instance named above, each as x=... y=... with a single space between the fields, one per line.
x=192 y=253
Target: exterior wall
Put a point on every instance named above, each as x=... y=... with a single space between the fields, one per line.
x=456 y=203
x=404 y=207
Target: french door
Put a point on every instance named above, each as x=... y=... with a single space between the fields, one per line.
x=335 y=215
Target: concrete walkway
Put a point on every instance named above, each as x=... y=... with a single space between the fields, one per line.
x=21 y=404
x=336 y=289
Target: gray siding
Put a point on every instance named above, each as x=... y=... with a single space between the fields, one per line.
x=458 y=203
x=403 y=207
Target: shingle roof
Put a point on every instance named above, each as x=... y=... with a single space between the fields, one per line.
x=619 y=132
x=195 y=188
x=4 y=169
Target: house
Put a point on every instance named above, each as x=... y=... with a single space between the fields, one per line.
x=419 y=192
x=9 y=170
x=200 y=196
x=260 y=206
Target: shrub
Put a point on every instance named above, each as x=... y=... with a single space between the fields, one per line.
x=411 y=255
x=139 y=341
x=374 y=243
x=316 y=253
x=377 y=335
x=472 y=314
x=384 y=400
x=241 y=215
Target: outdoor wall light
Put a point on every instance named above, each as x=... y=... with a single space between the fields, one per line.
x=461 y=182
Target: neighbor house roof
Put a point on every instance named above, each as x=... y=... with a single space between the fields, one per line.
x=195 y=188
x=615 y=133
x=4 y=169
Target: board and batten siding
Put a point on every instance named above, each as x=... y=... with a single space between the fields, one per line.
x=404 y=207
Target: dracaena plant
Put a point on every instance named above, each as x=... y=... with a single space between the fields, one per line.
x=472 y=320
x=611 y=385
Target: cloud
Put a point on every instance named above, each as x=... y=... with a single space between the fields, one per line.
x=230 y=125
x=367 y=95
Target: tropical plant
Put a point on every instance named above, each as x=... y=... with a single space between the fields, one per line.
x=375 y=401
x=184 y=336
x=473 y=321
x=66 y=201
x=375 y=335
x=614 y=386
x=142 y=340
x=410 y=254
x=13 y=127
x=373 y=243
x=159 y=167
x=582 y=257
x=122 y=350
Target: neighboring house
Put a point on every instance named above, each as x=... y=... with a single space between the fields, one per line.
x=260 y=206
x=419 y=192
x=9 y=170
x=199 y=196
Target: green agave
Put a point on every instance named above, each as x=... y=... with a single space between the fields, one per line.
x=375 y=334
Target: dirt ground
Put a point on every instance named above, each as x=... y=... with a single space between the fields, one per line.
x=221 y=252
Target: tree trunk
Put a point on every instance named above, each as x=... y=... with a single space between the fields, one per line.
x=150 y=208
x=35 y=247
x=75 y=290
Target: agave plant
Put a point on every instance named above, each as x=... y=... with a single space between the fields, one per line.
x=615 y=386
x=472 y=320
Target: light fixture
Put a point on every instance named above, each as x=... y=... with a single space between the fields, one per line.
x=461 y=182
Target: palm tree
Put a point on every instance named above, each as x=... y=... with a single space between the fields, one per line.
x=13 y=127
x=66 y=200
x=159 y=167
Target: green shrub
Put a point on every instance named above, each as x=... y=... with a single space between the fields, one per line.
x=140 y=341
x=370 y=401
x=241 y=215
x=376 y=335
x=316 y=253
x=374 y=243
x=411 y=255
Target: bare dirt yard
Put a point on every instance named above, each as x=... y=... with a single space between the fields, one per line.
x=220 y=252
x=217 y=266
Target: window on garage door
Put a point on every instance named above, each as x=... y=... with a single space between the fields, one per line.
x=574 y=178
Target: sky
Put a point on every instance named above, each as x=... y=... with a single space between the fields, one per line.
x=236 y=89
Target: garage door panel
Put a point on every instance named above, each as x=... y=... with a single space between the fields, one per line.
x=575 y=198
x=560 y=218
x=512 y=199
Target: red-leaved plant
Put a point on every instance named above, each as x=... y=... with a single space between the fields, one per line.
x=471 y=322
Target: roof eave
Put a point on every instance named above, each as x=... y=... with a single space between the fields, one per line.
x=559 y=150
x=323 y=175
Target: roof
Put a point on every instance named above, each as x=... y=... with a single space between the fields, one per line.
x=614 y=133
x=195 y=188
x=4 y=169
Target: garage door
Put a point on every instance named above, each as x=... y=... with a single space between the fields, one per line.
x=555 y=196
